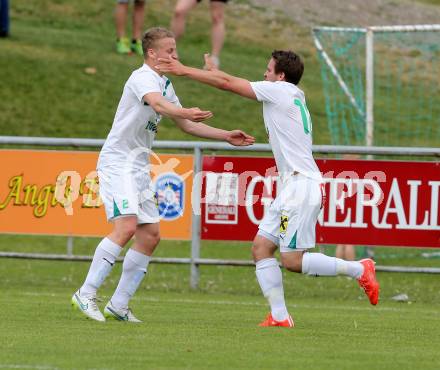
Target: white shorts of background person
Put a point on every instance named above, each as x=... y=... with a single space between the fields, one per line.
x=291 y=219
x=127 y=194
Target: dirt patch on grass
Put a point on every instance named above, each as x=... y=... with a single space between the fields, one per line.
x=309 y=13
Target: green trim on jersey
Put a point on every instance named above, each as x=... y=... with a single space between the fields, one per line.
x=166 y=87
x=116 y=211
x=292 y=243
x=305 y=116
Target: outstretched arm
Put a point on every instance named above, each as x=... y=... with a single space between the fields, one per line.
x=234 y=137
x=167 y=109
x=213 y=77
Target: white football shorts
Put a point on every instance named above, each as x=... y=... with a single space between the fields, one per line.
x=290 y=221
x=125 y=194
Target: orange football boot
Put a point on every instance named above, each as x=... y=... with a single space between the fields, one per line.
x=368 y=281
x=270 y=321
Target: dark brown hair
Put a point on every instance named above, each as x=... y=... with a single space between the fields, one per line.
x=152 y=35
x=289 y=63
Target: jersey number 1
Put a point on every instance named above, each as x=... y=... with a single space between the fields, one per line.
x=305 y=116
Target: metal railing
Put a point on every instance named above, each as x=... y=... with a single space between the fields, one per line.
x=198 y=146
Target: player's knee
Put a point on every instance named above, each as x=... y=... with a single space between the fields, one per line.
x=255 y=252
x=292 y=262
x=123 y=234
x=127 y=231
x=292 y=267
x=151 y=238
x=180 y=12
x=259 y=252
x=217 y=18
x=155 y=238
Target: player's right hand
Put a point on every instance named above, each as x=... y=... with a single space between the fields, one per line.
x=197 y=115
x=171 y=66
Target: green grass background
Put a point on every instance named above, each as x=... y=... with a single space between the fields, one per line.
x=46 y=92
x=215 y=327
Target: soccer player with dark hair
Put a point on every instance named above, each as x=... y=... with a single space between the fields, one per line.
x=291 y=219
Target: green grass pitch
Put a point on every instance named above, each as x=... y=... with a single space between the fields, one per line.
x=215 y=327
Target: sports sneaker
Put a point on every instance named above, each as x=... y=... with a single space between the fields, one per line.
x=368 y=281
x=111 y=312
x=270 y=321
x=87 y=305
x=123 y=46
x=136 y=47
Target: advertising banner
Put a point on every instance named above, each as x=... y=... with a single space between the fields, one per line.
x=29 y=203
x=394 y=203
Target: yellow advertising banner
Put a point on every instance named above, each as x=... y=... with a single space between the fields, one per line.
x=30 y=199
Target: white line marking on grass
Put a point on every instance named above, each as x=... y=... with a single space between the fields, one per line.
x=234 y=303
x=18 y=366
x=39 y=367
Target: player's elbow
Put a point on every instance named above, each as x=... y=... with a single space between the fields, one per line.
x=185 y=126
x=189 y=128
x=158 y=107
x=163 y=110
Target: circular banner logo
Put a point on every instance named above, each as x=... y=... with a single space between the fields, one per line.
x=170 y=192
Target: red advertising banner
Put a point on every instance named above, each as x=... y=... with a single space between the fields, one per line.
x=393 y=203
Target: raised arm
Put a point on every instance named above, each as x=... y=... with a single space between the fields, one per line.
x=213 y=77
x=167 y=109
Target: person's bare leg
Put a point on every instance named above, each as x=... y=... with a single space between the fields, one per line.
x=346 y=252
x=183 y=7
x=350 y=252
x=340 y=251
x=123 y=230
x=146 y=238
x=138 y=19
x=217 y=29
x=121 y=11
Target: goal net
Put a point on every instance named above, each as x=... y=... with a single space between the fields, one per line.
x=381 y=84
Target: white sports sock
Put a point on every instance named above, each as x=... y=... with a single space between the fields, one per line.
x=105 y=256
x=134 y=269
x=318 y=264
x=271 y=283
x=353 y=269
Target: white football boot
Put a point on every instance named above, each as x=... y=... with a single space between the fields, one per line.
x=88 y=306
x=124 y=314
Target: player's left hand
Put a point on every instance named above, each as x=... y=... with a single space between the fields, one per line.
x=239 y=138
x=171 y=66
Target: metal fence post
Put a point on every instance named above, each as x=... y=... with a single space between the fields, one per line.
x=196 y=218
x=70 y=245
x=369 y=82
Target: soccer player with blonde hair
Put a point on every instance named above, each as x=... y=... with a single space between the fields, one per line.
x=124 y=182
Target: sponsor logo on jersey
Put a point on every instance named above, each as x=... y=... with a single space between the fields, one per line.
x=284 y=221
x=170 y=189
x=151 y=126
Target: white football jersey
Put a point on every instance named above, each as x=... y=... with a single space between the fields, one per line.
x=289 y=127
x=135 y=125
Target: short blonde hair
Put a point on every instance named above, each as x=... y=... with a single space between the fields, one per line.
x=152 y=35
